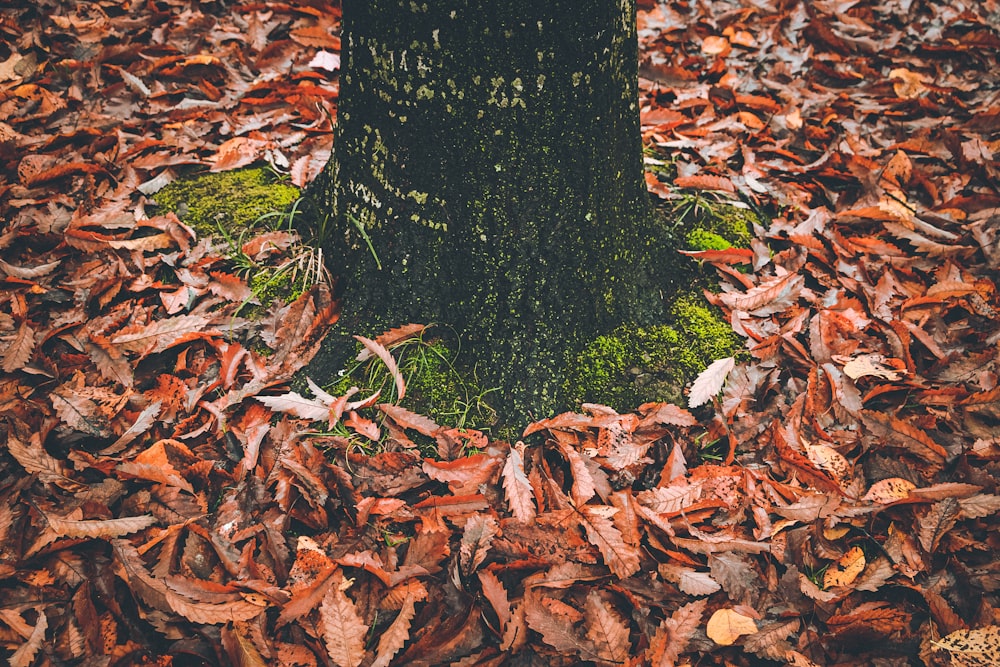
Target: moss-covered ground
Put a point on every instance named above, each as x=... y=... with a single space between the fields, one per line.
x=229 y=201
x=235 y=206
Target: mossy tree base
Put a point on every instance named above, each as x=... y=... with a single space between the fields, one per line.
x=487 y=175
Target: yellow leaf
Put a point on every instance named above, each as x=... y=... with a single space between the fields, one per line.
x=906 y=83
x=830 y=461
x=727 y=625
x=846 y=569
x=889 y=490
x=714 y=46
x=973 y=647
x=836 y=532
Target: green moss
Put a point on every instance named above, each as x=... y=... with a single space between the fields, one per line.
x=234 y=199
x=271 y=286
x=727 y=221
x=435 y=385
x=707 y=336
x=632 y=366
x=702 y=239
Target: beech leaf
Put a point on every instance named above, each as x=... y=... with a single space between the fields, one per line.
x=517 y=488
x=343 y=630
x=395 y=636
x=710 y=381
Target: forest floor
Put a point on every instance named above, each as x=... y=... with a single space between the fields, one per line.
x=830 y=500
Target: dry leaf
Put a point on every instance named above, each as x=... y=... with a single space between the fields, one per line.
x=972 y=648
x=889 y=490
x=873 y=365
x=395 y=636
x=674 y=633
x=100 y=528
x=709 y=382
x=622 y=558
x=343 y=630
x=846 y=569
x=517 y=488
x=727 y=625
x=476 y=539
x=374 y=348
x=688 y=580
x=606 y=629
x=26 y=652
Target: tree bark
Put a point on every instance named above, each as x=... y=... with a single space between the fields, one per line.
x=487 y=175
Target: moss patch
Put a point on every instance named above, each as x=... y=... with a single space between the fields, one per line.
x=724 y=222
x=631 y=366
x=234 y=200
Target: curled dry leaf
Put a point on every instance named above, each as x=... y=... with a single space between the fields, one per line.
x=101 y=528
x=374 y=348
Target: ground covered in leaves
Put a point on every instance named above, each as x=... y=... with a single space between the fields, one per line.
x=165 y=499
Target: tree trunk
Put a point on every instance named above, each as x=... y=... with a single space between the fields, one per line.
x=487 y=175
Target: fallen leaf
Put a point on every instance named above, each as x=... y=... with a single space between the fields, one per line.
x=710 y=381
x=846 y=569
x=727 y=625
x=889 y=490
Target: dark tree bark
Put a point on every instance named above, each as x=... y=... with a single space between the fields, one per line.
x=487 y=174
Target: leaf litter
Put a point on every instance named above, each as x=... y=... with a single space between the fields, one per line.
x=164 y=497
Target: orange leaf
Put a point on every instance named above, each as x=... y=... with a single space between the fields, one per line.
x=363 y=426
x=516 y=486
x=343 y=630
x=705 y=182
x=846 y=569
